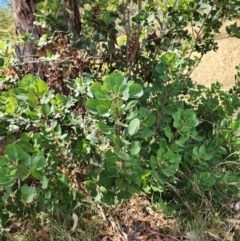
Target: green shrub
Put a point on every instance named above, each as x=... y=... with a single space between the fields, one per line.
x=134 y=121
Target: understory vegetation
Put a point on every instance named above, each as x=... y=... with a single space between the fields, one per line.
x=112 y=115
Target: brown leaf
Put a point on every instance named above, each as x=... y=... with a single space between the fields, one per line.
x=233 y=221
x=75 y=221
x=26 y=225
x=237 y=206
x=144 y=237
x=42 y=234
x=86 y=220
x=212 y=235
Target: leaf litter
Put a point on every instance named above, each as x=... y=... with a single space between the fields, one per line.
x=134 y=220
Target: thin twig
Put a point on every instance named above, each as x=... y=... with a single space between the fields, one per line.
x=164 y=32
x=136 y=41
x=200 y=30
x=223 y=38
x=195 y=66
x=128 y=32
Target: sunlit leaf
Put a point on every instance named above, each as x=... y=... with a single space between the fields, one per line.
x=133 y=126
x=28 y=193
x=13 y=152
x=102 y=109
x=104 y=127
x=135 y=148
x=38 y=161
x=135 y=91
x=41 y=87
x=44 y=182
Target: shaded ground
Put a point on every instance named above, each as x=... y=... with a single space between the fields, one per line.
x=135 y=220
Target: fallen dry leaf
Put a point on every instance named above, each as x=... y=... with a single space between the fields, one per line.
x=86 y=220
x=237 y=206
x=214 y=236
x=233 y=221
x=144 y=237
x=42 y=234
x=26 y=225
x=191 y=236
x=75 y=221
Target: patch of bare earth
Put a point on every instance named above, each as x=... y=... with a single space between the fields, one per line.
x=220 y=66
x=135 y=220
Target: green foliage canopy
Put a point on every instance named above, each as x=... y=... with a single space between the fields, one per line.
x=132 y=121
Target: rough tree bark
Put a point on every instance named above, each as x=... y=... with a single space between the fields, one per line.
x=24 y=18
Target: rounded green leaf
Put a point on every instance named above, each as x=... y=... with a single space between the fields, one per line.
x=168 y=58
x=41 y=87
x=13 y=152
x=121 y=154
x=38 y=161
x=22 y=172
x=132 y=115
x=28 y=193
x=44 y=182
x=104 y=127
x=32 y=100
x=168 y=133
x=7 y=177
x=102 y=109
x=20 y=94
x=100 y=95
x=115 y=89
x=121 y=184
x=95 y=87
x=206 y=180
x=153 y=162
x=116 y=110
x=92 y=105
x=11 y=105
x=27 y=81
x=111 y=166
x=38 y=175
x=133 y=126
x=115 y=79
x=1 y=61
x=46 y=109
x=150 y=120
x=135 y=91
x=131 y=104
x=60 y=99
x=135 y=148
x=181 y=141
x=123 y=88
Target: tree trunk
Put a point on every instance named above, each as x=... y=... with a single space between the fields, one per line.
x=24 y=18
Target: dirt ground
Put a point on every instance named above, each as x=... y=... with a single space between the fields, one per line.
x=220 y=66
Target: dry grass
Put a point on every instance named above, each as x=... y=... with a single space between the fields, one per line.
x=219 y=66
x=133 y=220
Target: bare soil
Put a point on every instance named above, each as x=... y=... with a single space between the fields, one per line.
x=220 y=66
